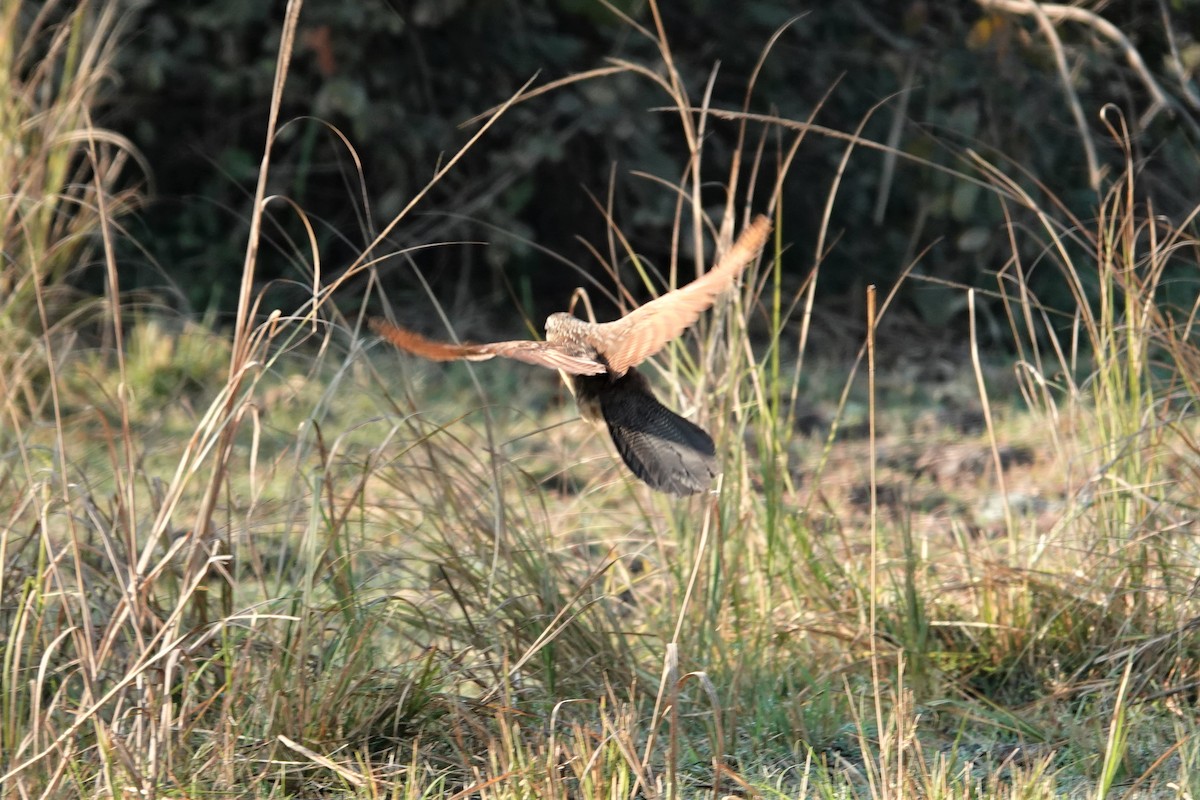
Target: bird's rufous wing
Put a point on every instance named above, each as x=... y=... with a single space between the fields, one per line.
x=542 y=354
x=641 y=333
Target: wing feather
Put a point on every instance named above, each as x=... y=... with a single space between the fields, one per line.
x=641 y=333
x=541 y=354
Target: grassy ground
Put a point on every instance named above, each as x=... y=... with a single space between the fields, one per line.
x=280 y=561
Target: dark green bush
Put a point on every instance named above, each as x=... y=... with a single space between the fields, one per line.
x=399 y=78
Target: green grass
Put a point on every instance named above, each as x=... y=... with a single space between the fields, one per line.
x=277 y=563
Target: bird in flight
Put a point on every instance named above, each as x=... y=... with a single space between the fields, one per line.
x=668 y=452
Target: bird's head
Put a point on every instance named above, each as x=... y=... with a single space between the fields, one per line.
x=560 y=323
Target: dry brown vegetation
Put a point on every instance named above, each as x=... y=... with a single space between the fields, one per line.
x=280 y=561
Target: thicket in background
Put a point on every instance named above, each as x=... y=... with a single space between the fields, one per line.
x=981 y=75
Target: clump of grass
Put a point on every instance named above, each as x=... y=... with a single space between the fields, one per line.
x=54 y=64
x=1116 y=381
x=63 y=180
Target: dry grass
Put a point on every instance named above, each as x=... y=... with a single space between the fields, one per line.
x=62 y=174
x=328 y=576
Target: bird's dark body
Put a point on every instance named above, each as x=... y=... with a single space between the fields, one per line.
x=668 y=452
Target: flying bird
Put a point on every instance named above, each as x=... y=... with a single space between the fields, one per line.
x=668 y=452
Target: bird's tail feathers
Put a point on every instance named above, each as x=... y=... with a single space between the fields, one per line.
x=668 y=452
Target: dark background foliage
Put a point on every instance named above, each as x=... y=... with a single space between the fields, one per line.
x=399 y=79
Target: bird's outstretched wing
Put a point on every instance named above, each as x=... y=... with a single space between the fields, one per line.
x=543 y=354
x=641 y=333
